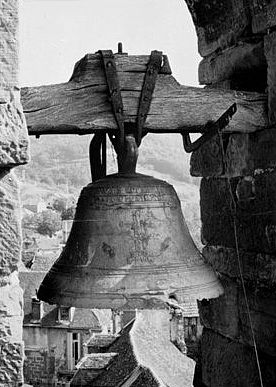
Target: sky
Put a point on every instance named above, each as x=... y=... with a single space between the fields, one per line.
x=55 y=34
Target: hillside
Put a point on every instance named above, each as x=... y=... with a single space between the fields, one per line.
x=59 y=167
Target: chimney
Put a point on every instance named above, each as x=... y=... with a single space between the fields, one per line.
x=37 y=309
x=116 y=321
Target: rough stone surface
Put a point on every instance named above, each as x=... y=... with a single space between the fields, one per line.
x=208 y=159
x=239 y=184
x=219 y=23
x=270 y=52
x=239 y=63
x=13 y=151
x=13 y=129
x=255 y=212
x=243 y=155
x=226 y=363
x=11 y=309
x=11 y=320
x=10 y=232
x=13 y=135
x=11 y=371
x=263 y=15
x=258 y=269
x=8 y=46
x=228 y=316
x=39 y=366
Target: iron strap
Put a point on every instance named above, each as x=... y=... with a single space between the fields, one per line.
x=153 y=68
x=211 y=130
x=114 y=93
x=97 y=156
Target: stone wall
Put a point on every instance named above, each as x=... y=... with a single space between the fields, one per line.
x=39 y=367
x=237 y=41
x=13 y=152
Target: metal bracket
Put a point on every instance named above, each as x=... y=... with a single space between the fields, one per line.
x=97 y=156
x=211 y=130
x=153 y=68
x=114 y=93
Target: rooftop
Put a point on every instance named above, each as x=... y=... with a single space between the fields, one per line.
x=95 y=360
x=146 y=357
x=101 y=341
x=82 y=318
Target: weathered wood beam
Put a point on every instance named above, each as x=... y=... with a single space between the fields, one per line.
x=82 y=106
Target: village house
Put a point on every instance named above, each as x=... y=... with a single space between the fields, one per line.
x=110 y=360
x=53 y=335
x=57 y=338
x=35 y=205
x=141 y=355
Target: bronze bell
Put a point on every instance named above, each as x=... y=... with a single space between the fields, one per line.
x=129 y=247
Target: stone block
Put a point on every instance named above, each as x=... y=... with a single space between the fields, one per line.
x=228 y=316
x=226 y=363
x=252 y=200
x=13 y=129
x=240 y=63
x=221 y=314
x=244 y=153
x=263 y=15
x=208 y=159
x=8 y=46
x=11 y=313
x=11 y=363
x=258 y=269
x=14 y=142
x=219 y=23
x=270 y=53
x=10 y=231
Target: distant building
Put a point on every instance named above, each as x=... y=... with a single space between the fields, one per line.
x=35 y=205
x=53 y=335
x=185 y=328
x=141 y=355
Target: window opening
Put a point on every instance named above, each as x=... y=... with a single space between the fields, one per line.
x=75 y=347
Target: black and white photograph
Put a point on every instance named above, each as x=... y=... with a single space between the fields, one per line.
x=137 y=193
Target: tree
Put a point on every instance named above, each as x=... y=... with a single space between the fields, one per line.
x=68 y=214
x=48 y=222
x=60 y=204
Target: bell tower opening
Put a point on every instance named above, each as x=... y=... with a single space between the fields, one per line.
x=60 y=164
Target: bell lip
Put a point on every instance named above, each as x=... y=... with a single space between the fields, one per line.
x=154 y=299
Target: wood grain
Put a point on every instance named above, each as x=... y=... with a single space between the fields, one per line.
x=82 y=105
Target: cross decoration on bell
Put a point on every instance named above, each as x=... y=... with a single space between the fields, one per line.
x=129 y=246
